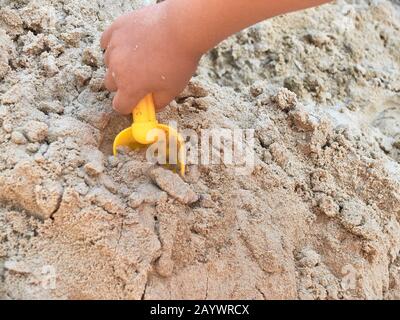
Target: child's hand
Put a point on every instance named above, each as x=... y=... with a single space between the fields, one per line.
x=143 y=55
x=157 y=49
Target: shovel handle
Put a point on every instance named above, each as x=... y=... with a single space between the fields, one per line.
x=145 y=110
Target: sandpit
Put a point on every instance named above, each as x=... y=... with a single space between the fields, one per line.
x=317 y=216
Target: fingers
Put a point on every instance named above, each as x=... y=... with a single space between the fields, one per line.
x=107 y=34
x=110 y=82
x=124 y=102
x=107 y=56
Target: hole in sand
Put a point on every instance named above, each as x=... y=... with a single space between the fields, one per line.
x=116 y=124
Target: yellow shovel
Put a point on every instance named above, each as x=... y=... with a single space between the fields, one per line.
x=146 y=130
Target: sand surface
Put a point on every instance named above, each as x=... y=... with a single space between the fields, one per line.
x=317 y=217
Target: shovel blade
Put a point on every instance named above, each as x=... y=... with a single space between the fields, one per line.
x=175 y=145
x=178 y=147
x=124 y=138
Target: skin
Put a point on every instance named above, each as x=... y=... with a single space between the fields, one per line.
x=157 y=48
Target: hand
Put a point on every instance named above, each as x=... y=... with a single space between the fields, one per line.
x=145 y=55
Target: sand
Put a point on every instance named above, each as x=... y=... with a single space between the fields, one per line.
x=317 y=217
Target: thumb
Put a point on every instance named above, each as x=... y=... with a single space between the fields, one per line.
x=163 y=98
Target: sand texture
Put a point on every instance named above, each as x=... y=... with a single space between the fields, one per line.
x=317 y=217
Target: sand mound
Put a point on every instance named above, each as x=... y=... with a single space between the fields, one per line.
x=316 y=217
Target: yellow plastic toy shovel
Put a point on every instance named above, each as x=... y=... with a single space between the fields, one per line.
x=146 y=130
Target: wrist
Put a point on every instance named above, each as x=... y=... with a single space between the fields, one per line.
x=179 y=28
